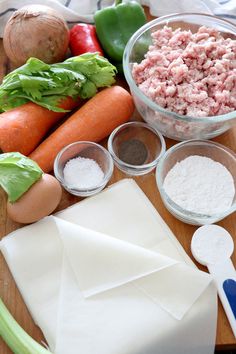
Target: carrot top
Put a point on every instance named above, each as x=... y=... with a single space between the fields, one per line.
x=46 y=85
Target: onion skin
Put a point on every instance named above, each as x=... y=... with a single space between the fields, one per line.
x=36 y=31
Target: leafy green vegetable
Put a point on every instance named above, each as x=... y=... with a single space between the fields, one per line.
x=14 y=335
x=17 y=174
x=47 y=85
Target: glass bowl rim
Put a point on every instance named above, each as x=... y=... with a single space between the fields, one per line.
x=154 y=106
x=175 y=207
x=106 y=177
x=142 y=125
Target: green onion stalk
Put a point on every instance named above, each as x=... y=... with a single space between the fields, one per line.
x=15 y=337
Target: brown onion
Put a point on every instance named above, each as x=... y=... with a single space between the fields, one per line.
x=36 y=31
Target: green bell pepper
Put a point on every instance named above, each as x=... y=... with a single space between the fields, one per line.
x=116 y=24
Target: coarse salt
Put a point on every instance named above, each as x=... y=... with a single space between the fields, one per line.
x=81 y=172
x=201 y=185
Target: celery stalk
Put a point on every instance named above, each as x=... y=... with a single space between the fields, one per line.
x=16 y=338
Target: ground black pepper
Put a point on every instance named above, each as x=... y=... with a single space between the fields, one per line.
x=133 y=152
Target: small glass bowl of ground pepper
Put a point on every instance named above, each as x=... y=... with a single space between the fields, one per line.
x=136 y=148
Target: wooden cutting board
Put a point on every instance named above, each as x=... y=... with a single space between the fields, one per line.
x=10 y=294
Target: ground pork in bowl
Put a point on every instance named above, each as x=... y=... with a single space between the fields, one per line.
x=181 y=70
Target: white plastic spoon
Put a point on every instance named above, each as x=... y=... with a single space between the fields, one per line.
x=213 y=246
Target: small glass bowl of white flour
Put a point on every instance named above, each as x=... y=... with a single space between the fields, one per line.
x=197 y=181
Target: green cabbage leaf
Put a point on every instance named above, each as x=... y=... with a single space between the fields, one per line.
x=17 y=174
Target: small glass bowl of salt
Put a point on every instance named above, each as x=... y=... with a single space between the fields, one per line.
x=197 y=181
x=83 y=168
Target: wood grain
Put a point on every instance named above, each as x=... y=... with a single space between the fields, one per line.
x=8 y=290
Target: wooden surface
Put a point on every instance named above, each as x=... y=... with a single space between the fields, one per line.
x=10 y=294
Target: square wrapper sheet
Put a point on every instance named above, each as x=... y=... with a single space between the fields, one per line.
x=138 y=317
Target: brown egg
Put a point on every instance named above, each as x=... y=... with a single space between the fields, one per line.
x=39 y=201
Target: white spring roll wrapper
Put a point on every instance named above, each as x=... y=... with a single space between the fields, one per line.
x=107 y=276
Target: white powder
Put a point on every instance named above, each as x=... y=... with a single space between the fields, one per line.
x=82 y=172
x=213 y=251
x=201 y=185
x=211 y=244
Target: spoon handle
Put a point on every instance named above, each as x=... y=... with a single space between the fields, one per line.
x=224 y=276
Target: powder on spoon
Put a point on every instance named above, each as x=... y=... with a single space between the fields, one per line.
x=201 y=185
x=81 y=172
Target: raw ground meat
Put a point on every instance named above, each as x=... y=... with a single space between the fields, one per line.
x=192 y=74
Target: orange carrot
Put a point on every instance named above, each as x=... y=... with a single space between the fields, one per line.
x=92 y=122
x=22 y=128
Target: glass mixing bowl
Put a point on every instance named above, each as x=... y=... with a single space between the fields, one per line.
x=171 y=124
x=179 y=152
